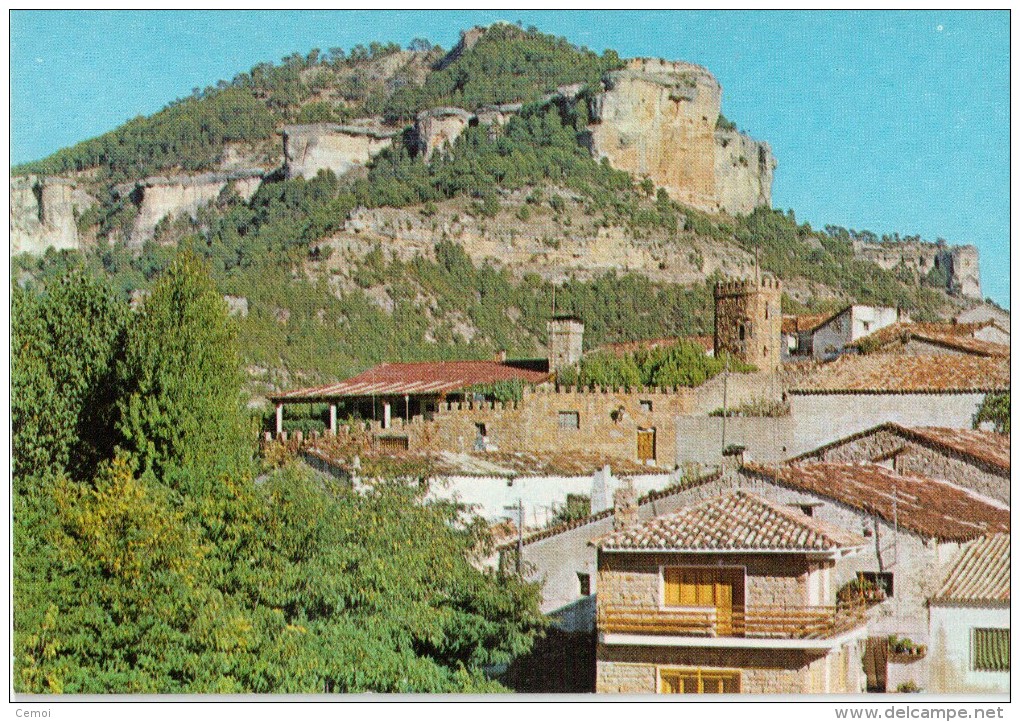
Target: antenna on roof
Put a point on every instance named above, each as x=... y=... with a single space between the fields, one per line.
x=554 y=301
x=757 y=271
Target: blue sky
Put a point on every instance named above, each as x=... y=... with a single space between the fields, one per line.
x=890 y=121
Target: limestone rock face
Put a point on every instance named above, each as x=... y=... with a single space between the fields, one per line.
x=308 y=149
x=743 y=172
x=439 y=127
x=657 y=119
x=960 y=264
x=43 y=212
x=169 y=197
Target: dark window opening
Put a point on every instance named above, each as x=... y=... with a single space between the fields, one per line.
x=584 y=580
x=570 y=420
x=646 y=406
x=882 y=580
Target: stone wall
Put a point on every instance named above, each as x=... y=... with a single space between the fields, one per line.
x=307 y=149
x=823 y=418
x=699 y=438
x=608 y=423
x=960 y=263
x=913 y=457
x=635 y=579
x=44 y=213
x=626 y=669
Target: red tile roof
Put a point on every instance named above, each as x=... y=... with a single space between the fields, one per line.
x=919 y=504
x=912 y=374
x=980 y=573
x=427 y=377
x=806 y=322
x=988 y=448
x=957 y=336
x=737 y=521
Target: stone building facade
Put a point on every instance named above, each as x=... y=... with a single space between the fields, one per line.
x=976 y=460
x=749 y=321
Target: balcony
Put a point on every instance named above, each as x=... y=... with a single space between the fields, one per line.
x=751 y=623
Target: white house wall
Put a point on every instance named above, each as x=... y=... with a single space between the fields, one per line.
x=950 y=664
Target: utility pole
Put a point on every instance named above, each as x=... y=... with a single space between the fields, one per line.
x=725 y=410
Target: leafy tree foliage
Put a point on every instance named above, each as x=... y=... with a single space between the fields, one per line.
x=994 y=409
x=64 y=344
x=187 y=135
x=684 y=364
x=168 y=570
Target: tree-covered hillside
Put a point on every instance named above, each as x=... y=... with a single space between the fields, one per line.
x=315 y=312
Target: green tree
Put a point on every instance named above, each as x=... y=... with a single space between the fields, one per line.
x=181 y=375
x=994 y=409
x=64 y=344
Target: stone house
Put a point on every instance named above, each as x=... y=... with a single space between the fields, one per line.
x=976 y=460
x=858 y=392
x=984 y=312
x=796 y=332
x=732 y=595
x=913 y=524
x=969 y=621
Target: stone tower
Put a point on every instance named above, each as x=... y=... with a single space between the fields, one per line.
x=749 y=320
x=566 y=334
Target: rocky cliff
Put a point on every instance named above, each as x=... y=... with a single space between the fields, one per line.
x=307 y=149
x=958 y=265
x=657 y=119
x=160 y=197
x=43 y=213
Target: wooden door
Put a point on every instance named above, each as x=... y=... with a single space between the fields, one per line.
x=645 y=445
x=719 y=588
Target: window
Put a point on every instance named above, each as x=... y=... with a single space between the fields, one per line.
x=646 y=406
x=570 y=420
x=866 y=325
x=699 y=681
x=989 y=650
x=882 y=580
x=584 y=580
x=742 y=331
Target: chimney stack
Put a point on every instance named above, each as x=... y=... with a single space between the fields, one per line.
x=501 y=356
x=625 y=506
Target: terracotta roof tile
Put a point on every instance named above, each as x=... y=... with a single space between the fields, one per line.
x=980 y=572
x=737 y=521
x=895 y=374
x=988 y=448
x=805 y=322
x=958 y=336
x=427 y=377
x=919 y=504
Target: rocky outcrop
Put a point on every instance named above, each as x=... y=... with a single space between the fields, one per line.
x=44 y=213
x=438 y=128
x=307 y=149
x=743 y=172
x=959 y=264
x=657 y=119
x=162 y=197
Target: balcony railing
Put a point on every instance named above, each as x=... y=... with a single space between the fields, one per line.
x=780 y=622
